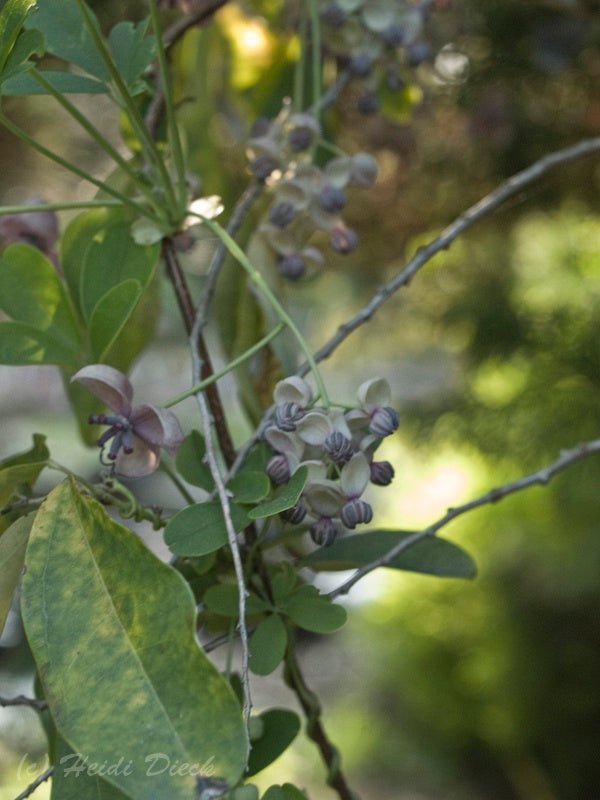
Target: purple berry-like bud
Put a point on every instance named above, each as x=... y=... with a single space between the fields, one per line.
x=281 y=214
x=333 y=15
x=338 y=448
x=394 y=82
x=384 y=421
x=418 y=53
x=291 y=267
x=343 y=239
x=356 y=512
x=331 y=198
x=393 y=36
x=296 y=514
x=361 y=65
x=323 y=531
x=287 y=415
x=260 y=127
x=262 y=166
x=278 y=469
x=382 y=473
x=301 y=138
x=368 y=103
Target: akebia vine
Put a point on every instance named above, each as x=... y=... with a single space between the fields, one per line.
x=121 y=676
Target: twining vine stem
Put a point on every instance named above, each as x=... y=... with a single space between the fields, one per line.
x=540 y=477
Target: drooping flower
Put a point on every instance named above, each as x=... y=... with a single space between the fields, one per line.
x=136 y=433
x=374 y=397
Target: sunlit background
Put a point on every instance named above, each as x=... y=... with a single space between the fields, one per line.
x=487 y=689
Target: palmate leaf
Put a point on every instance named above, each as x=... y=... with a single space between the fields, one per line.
x=22 y=469
x=12 y=16
x=13 y=544
x=200 y=528
x=123 y=676
x=267 y=645
x=280 y=727
x=28 y=44
x=431 y=555
x=285 y=497
x=65 y=82
x=71 y=779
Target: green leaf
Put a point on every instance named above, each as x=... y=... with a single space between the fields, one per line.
x=111 y=258
x=22 y=469
x=31 y=293
x=286 y=792
x=190 y=461
x=13 y=544
x=12 y=16
x=64 y=82
x=224 y=599
x=200 y=529
x=249 y=486
x=28 y=44
x=133 y=51
x=431 y=555
x=110 y=316
x=280 y=728
x=21 y=345
x=267 y=645
x=66 y=35
x=70 y=784
x=285 y=497
x=244 y=793
x=124 y=676
x=314 y=612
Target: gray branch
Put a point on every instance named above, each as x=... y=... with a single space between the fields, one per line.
x=37 y=782
x=481 y=209
x=541 y=477
x=21 y=700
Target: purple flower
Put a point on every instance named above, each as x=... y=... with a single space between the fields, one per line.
x=37 y=228
x=136 y=434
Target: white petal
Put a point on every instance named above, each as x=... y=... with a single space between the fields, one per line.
x=340 y=424
x=317 y=470
x=109 y=385
x=375 y=393
x=324 y=498
x=355 y=475
x=143 y=461
x=283 y=442
x=293 y=390
x=314 y=427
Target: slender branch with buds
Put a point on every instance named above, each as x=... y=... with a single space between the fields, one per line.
x=541 y=477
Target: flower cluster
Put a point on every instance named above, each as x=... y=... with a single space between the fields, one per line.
x=306 y=198
x=337 y=447
x=377 y=41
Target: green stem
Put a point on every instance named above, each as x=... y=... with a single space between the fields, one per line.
x=300 y=67
x=315 y=29
x=135 y=117
x=20 y=134
x=169 y=105
x=226 y=369
x=258 y=280
x=95 y=134
x=25 y=209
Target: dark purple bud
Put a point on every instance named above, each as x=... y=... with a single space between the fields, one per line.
x=356 y=512
x=260 y=127
x=291 y=267
x=361 y=65
x=382 y=473
x=323 y=531
x=281 y=214
x=301 y=138
x=333 y=15
x=278 y=469
x=296 y=514
x=343 y=239
x=394 y=82
x=384 y=421
x=368 y=103
x=331 y=198
x=393 y=36
x=418 y=53
x=287 y=415
x=338 y=448
x=262 y=166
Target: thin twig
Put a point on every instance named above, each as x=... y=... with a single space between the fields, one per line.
x=37 y=782
x=424 y=254
x=541 y=477
x=21 y=700
x=211 y=459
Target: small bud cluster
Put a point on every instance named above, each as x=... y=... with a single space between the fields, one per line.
x=338 y=450
x=377 y=41
x=306 y=198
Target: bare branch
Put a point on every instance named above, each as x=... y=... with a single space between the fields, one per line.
x=37 y=782
x=424 y=254
x=542 y=477
x=204 y=11
x=21 y=700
